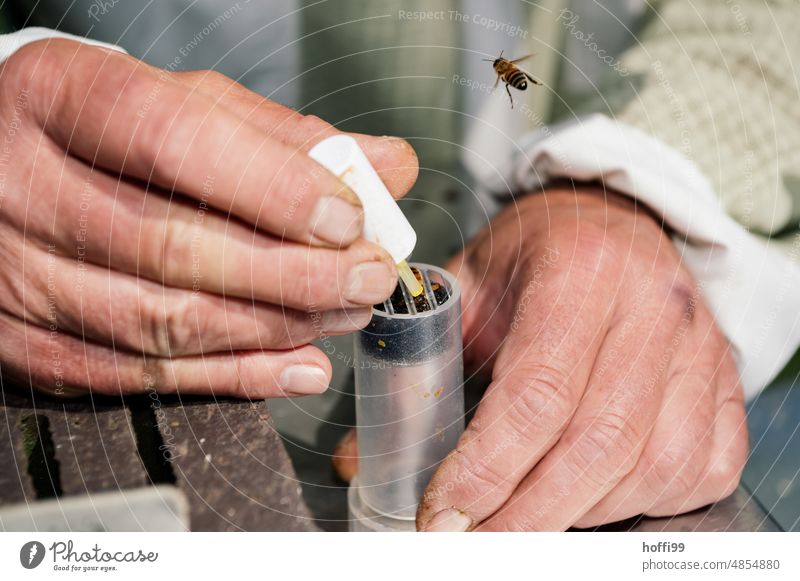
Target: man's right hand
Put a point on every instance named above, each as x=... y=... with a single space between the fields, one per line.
x=167 y=231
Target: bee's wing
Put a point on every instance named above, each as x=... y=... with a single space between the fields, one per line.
x=522 y=58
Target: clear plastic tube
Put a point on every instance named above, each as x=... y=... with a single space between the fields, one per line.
x=409 y=399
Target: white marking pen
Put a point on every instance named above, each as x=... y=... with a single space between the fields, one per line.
x=384 y=222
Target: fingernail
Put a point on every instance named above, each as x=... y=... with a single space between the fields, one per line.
x=449 y=520
x=346 y=320
x=303 y=379
x=369 y=283
x=336 y=220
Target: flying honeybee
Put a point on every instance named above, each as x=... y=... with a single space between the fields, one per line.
x=511 y=74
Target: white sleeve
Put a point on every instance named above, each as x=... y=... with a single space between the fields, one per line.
x=10 y=43
x=751 y=289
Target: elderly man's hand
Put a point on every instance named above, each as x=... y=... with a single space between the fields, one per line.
x=168 y=231
x=613 y=392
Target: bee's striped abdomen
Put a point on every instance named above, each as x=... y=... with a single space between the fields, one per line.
x=516 y=79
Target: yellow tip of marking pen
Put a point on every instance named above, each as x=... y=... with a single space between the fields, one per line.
x=384 y=222
x=407 y=276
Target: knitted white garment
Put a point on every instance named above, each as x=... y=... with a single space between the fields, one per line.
x=719 y=83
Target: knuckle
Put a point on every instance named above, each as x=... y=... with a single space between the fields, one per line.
x=211 y=82
x=673 y=471
x=303 y=282
x=594 y=251
x=283 y=123
x=174 y=249
x=35 y=71
x=726 y=480
x=313 y=127
x=540 y=399
x=179 y=331
x=294 y=331
x=292 y=194
x=679 y=464
x=482 y=479
x=241 y=368
x=151 y=313
x=215 y=79
x=152 y=150
x=31 y=63
x=155 y=376
x=160 y=148
x=607 y=446
x=280 y=337
x=300 y=329
x=727 y=471
x=165 y=331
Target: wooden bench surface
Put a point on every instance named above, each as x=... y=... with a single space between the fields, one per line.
x=224 y=455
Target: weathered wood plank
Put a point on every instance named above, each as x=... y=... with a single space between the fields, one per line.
x=95 y=444
x=91 y=446
x=231 y=464
x=15 y=483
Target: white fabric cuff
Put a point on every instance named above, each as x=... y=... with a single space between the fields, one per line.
x=10 y=43
x=750 y=288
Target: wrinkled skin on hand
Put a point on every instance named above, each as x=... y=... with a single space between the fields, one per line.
x=168 y=231
x=613 y=393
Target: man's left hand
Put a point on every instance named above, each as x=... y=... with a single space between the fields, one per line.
x=613 y=391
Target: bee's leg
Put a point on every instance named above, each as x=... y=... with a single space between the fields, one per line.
x=532 y=80
x=496 y=81
x=510 y=98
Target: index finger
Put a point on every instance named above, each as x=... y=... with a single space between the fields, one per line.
x=393 y=158
x=122 y=115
